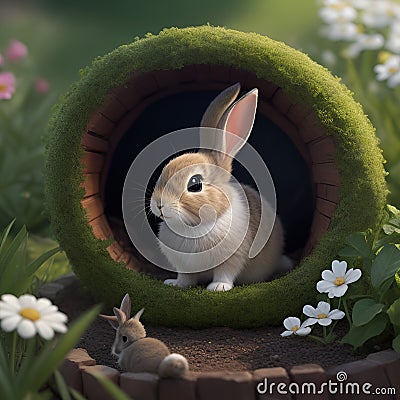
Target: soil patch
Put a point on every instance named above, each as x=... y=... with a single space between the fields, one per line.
x=211 y=349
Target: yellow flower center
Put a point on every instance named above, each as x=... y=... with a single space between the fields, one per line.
x=338 y=6
x=30 y=313
x=295 y=328
x=321 y=316
x=392 y=70
x=3 y=87
x=339 y=281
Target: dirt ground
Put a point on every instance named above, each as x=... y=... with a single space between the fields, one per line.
x=214 y=348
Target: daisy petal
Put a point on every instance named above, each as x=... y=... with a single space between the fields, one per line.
x=58 y=327
x=324 y=286
x=7 y=313
x=44 y=330
x=27 y=301
x=336 y=314
x=26 y=329
x=43 y=304
x=309 y=322
x=339 y=291
x=303 y=331
x=323 y=307
x=286 y=333
x=353 y=276
x=310 y=311
x=55 y=317
x=290 y=322
x=10 y=323
x=328 y=275
x=10 y=301
x=339 y=268
x=324 y=321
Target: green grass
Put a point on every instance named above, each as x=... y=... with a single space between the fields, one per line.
x=362 y=191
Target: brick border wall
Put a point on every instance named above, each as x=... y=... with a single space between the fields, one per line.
x=381 y=370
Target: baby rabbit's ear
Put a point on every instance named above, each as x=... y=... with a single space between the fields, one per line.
x=138 y=314
x=112 y=320
x=126 y=305
x=121 y=316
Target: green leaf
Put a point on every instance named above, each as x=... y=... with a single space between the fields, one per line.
x=5 y=234
x=385 y=265
x=51 y=356
x=358 y=242
x=365 y=310
x=396 y=343
x=394 y=312
x=6 y=380
x=348 y=252
x=358 y=335
x=77 y=395
x=62 y=388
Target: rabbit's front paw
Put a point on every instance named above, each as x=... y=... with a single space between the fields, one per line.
x=220 y=286
x=171 y=282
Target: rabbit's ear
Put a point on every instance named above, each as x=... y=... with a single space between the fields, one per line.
x=112 y=320
x=121 y=316
x=216 y=109
x=138 y=314
x=126 y=305
x=237 y=122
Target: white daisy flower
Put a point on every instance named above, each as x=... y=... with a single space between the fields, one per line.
x=381 y=14
x=335 y=11
x=336 y=282
x=389 y=71
x=29 y=315
x=293 y=326
x=393 y=42
x=322 y=314
x=365 y=42
x=341 y=31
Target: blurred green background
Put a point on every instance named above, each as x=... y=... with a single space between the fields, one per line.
x=65 y=36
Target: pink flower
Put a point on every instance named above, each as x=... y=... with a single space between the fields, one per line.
x=7 y=85
x=41 y=85
x=16 y=50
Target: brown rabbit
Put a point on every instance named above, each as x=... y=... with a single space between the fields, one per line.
x=138 y=353
x=209 y=221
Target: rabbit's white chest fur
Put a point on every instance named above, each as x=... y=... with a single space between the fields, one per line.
x=230 y=238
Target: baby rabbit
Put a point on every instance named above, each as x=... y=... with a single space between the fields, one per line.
x=138 y=353
x=209 y=220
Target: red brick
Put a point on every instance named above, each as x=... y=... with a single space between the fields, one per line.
x=178 y=389
x=70 y=369
x=113 y=109
x=225 y=385
x=326 y=207
x=92 y=142
x=305 y=376
x=101 y=228
x=91 y=184
x=361 y=372
x=390 y=361
x=328 y=192
x=101 y=125
x=311 y=128
x=297 y=112
x=270 y=378
x=281 y=101
x=93 y=206
x=92 y=388
x=92 y=162
x=326 y=173
x=323 y=150
x=140 y=386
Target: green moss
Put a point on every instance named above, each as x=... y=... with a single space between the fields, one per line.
x=362 y=191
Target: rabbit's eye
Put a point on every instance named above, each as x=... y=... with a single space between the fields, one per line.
x=195 y=183
x=124 y=339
